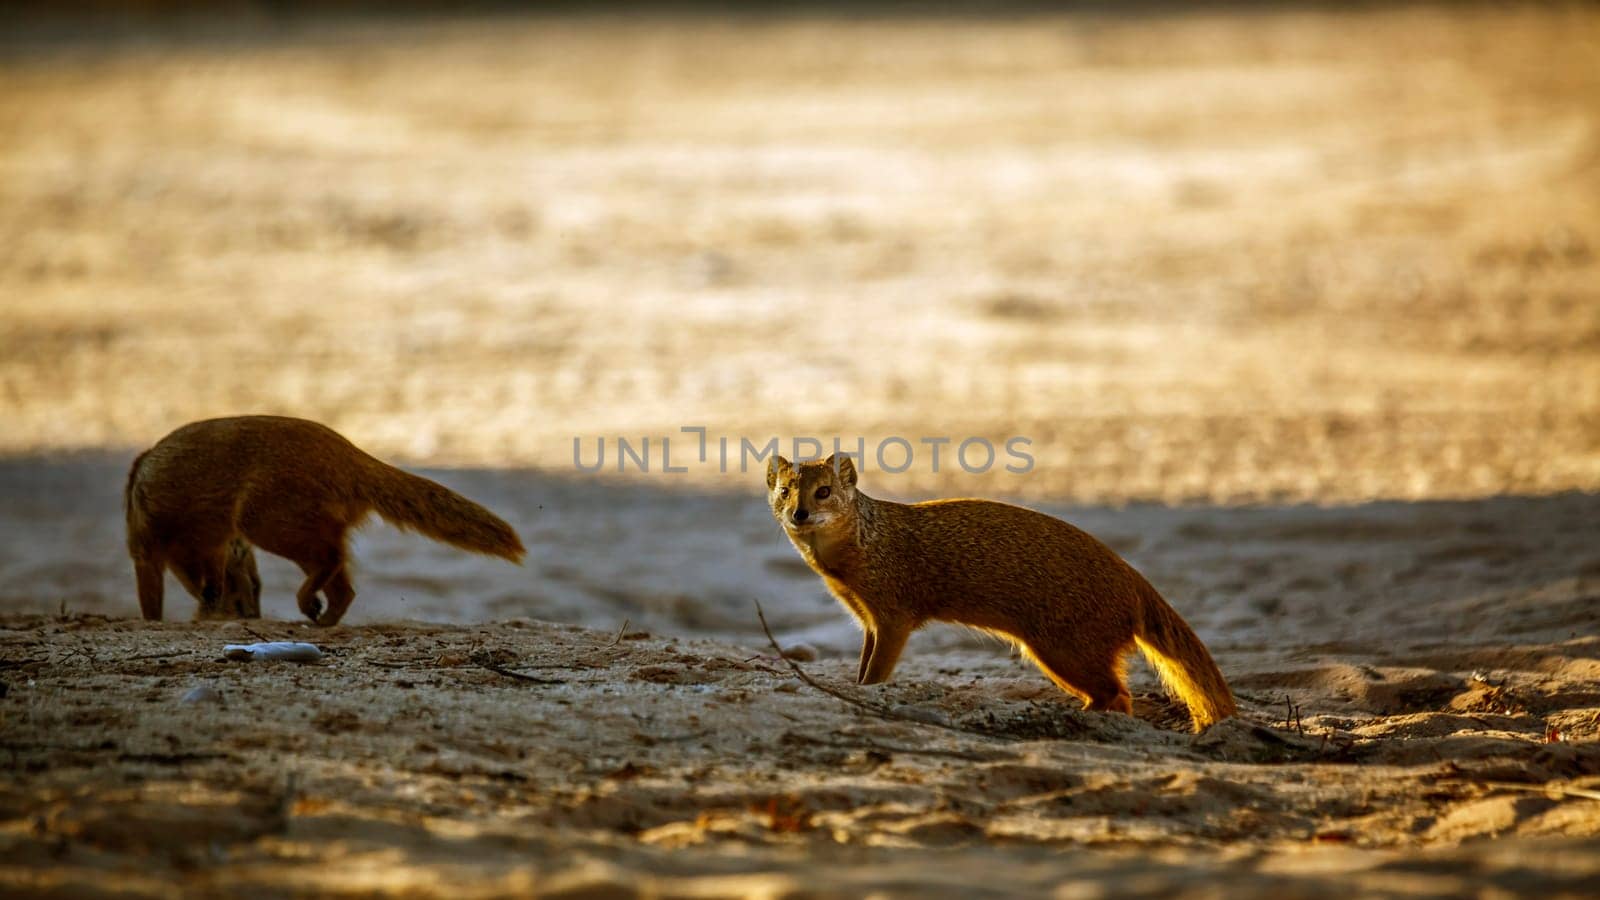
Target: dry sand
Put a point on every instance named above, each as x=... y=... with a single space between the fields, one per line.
x=698 y=768
x=1299 y=310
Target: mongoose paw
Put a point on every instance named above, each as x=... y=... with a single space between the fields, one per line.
x=313 y=608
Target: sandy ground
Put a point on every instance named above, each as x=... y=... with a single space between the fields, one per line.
x=640 y=764
x=1298 y=309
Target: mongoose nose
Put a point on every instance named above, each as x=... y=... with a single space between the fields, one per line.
x=800 y=515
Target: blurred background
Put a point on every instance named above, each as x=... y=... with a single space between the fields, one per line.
x=1253 y=256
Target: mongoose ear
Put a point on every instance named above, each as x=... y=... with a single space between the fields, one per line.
x=847 y=469
x=778 y=466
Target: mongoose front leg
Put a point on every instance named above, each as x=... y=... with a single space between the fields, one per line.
x=307 y=598
x=867 y=640
x=886 y=646
x=339 y=593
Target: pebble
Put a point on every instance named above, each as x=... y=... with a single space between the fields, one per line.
x=202 y=693
x=800 y=652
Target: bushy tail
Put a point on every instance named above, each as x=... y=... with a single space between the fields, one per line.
x=409 y=501
x=1181 y=662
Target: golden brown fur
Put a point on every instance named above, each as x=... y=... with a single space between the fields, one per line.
x=203 y=495
x=1074 y=606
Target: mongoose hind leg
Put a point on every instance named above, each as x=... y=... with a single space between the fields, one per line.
x=150 y=574
x=1097 y=681
x=1121 y=701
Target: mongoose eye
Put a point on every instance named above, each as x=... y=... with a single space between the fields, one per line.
x=823 y=492
x=784 y=493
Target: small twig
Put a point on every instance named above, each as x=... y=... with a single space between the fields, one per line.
x=801 y=673
x=418 y=663
x=760 y=668
x=798 y=738
x=78 y=651
x=872 y=708
x=745 y=665
x=501 y=670
x=1584 y=793
x=255 y=634
x=620 y=632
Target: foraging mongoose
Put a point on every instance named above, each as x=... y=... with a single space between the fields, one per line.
x=199 y=498
x=1068 y=601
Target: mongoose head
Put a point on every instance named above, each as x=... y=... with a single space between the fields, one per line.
x=815 y=495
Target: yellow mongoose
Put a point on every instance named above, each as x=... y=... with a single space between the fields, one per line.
x=205 y=493
x=1071 y=603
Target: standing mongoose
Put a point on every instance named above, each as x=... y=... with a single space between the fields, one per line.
x=205 y=493
x=1068 y=601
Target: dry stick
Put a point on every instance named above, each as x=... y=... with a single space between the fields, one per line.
x=501 y=670
x=72 y=652
x=164 y=655
x=895 y=748
x=620 y=631
x=857 y=702
x=1585 y=793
